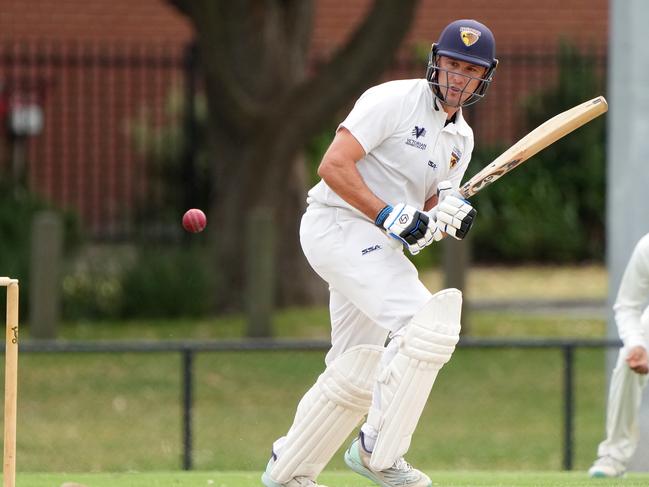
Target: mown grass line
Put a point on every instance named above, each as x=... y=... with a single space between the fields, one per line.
x=331 y=478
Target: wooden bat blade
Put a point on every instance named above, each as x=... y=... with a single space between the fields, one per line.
x=538 y=139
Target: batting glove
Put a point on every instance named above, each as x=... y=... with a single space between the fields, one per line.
x=411 y=227
x=453 y=214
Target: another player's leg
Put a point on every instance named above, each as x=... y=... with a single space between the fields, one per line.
x=623 y=406
x=406 y=376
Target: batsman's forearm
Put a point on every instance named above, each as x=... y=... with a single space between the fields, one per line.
x=345 y=180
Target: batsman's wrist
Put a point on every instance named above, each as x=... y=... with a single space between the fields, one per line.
x=382 y=216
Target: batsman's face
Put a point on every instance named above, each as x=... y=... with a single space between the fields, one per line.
x=458 y=79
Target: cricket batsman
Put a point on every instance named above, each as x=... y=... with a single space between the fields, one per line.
x=389 y=185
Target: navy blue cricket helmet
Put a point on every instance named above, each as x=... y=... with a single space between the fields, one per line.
x=466 y=40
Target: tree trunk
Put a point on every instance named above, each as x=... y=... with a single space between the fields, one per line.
x=298 y=283
x=262 y=112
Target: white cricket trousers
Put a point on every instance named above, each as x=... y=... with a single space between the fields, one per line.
x=624 y=398
x=374 y=288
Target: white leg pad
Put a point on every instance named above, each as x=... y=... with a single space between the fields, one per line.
x=405 y=383
x=328 y=413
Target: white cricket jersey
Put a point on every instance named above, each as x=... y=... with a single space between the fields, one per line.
x=408 y=145
x=633 y=296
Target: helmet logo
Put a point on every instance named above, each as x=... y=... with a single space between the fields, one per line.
x=469 y=36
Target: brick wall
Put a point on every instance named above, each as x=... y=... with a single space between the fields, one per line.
x=100 y=65
x=111 y=20
x=514 y=22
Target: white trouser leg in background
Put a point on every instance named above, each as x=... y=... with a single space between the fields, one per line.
x=404 y=384
x=624 y=398
x=326 y=415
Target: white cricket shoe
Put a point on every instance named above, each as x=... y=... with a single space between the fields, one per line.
x=607 y=467
x=401 y=474
x=294 y=482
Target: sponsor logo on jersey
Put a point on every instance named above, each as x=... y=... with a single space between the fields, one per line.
x=456 y=154
x=469 y=36
x=370 y=249
x=415 y=143
x=419 y=131
x=432 y=164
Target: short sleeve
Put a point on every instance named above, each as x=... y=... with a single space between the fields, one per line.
x=375 y=116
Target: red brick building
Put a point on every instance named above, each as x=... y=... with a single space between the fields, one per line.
x=97 y=65
x=514 y=22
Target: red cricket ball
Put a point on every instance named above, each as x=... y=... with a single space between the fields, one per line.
x=194 y=220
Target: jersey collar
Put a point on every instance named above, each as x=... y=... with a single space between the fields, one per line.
x=458 y=125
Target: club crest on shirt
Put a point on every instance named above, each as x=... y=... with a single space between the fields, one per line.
x=456 y=154
x=469 y=36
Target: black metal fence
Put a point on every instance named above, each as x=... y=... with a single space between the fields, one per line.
x=188 y=349
x=108 y=130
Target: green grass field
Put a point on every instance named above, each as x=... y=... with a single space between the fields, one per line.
x=332 y=479
x=497 y=409
x=491 y=410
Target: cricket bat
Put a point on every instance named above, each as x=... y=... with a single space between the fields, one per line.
x=538 y=139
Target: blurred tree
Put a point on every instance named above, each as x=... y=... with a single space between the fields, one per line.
x=263 y=109
x=553 y=208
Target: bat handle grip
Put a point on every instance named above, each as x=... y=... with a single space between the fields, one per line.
x=466 y=192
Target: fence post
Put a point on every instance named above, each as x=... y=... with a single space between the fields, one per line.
x=260 y=272
x=188 y=399
x=45 y=274
x=568 y=405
